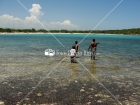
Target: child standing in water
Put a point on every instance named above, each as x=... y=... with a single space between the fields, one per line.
x=72 y=54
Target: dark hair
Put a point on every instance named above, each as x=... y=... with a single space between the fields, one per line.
x=73 y=47
x=76 y=42
x=93 y=40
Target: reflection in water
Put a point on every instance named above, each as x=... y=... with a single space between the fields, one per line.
x=74 y=68
x=114 y=68
x=92 y=67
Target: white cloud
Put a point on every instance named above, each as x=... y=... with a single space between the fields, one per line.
x=66 y=22
x=7 y=21
x=63 y=25
x=35 y=10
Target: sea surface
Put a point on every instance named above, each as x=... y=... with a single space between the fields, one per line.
x=28 y=76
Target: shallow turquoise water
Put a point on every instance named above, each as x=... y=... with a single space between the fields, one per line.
x=120 y=45
x=23 y=64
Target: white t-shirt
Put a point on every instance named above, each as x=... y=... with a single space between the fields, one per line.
x=72 y=52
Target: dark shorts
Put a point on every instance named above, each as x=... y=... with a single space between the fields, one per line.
x=71 y=57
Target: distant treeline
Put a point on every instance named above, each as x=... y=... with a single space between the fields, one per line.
x=123 y=31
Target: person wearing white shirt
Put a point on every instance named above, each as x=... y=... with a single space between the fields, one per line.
x=72 y=54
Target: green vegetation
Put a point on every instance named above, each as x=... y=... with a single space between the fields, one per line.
x=123 y=31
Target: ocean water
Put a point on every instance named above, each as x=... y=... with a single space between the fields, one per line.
x=113 y=78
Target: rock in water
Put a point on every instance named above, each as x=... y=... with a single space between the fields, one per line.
x=88 y=103
x=2 y=103
x=82 y=90
x=39 y=94
x=76 y=81
x=27 y=99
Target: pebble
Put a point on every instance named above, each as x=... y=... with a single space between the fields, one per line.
x=5 y=83
x=99 y=101
x=91 y=89
x=55 y=90
x=2 y=103
x=19 y=93
x=88 y=103
x=64 y=88
x=27 y=99
x=101 y=95
x=12 y=87
x=18 y=103
x=82 y=90
x=90 y=96
x=76 y=81
x=39 y=94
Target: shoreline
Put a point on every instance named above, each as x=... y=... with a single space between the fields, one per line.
x=5 y=33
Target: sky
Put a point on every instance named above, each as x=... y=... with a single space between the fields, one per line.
x=70 y=14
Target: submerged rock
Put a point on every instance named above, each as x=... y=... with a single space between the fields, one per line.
x=99 y=101
x=76 y=81
x=90 y=96
x=82 y=90
x=102 y=95
x=20 y=93
x=2 y=103
x=39 y=94
x=18 y=103
x=27 y=99
x=89 y=103
x=5 y=83
x=91 y=89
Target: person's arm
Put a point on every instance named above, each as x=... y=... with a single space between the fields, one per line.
x=97 y=43
x=89 y=47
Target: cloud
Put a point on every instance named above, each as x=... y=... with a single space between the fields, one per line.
x=66 y=24
x=35 y=10
x=7 y=21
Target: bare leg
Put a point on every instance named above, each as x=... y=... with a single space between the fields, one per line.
x=91 y=56
x=72 y=59
x=94 y=57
